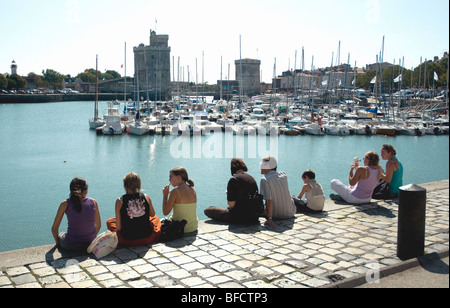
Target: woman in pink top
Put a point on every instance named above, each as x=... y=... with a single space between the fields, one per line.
x=362 y=182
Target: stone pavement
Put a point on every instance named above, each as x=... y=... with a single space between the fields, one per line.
x=315 y=250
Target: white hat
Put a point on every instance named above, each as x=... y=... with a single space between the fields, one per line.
x=269 y=164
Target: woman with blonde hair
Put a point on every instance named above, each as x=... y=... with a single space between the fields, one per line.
x=136 y=223
x=362 y=181
x=182 y=199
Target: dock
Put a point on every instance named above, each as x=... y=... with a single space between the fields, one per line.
x=332 y=249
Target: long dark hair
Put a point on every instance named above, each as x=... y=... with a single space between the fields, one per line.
x=77 y=187
x=236 y=165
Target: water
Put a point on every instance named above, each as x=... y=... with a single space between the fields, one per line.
x=44 y=146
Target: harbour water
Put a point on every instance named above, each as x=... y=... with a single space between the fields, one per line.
x=44 y=146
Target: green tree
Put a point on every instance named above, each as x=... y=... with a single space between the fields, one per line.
x=38 y=80
x=3 y=82
x=53 y=78
x=16 y=82
x=89 y=75
x=363 y=81
x=110 y=75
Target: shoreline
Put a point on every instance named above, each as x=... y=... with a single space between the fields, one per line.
x=205 y=226
x=55 y=98
x=346 y=246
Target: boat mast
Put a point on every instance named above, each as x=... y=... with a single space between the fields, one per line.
x=125 y=76
x=241 y=90
x=220 y=77
x=96 y=88
x=446 y=98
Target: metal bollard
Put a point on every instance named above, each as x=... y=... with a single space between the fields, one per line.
x=411 y=221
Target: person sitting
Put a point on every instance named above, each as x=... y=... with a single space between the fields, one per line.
x=275 y=189
x=83 y=218
x=362 y=182
x=240 y=209
x=313 y=192
x=136 y=223
x=182 y=199
x=394 y=170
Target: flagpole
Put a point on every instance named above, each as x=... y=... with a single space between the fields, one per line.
x=446 y=99
x=125 y=76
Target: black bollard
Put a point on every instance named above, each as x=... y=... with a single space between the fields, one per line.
x=411 y=222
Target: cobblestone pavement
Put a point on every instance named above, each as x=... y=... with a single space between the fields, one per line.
x=309 y=251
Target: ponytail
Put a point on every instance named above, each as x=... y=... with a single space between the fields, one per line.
x=190 y=183
x=77 y=187
x=179 y=171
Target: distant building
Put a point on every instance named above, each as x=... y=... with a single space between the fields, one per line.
x=376 y=66
x=152 y=67
x=251 y=76
x=13 y=68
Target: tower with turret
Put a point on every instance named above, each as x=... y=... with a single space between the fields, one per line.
x=13 y=68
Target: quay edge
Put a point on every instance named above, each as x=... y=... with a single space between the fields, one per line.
x=15 y=263
x=53 y=98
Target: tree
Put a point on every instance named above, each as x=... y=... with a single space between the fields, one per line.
x=110 y=75
x=38 y=80
x=53 y=78
x=89 y=75
x=3 y=82
x=16 y=82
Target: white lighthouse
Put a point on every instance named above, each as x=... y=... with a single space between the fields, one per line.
x=13 y=68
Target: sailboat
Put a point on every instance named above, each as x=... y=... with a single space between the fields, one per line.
x=96 y=122
x=138 y=127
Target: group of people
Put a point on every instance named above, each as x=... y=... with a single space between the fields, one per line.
x=136 y=222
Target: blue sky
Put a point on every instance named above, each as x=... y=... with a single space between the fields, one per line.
x=65 y=35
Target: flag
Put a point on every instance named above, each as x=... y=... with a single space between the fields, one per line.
x=398 y=79
x=374 y=80
x=436 y=76
x=121 y=66
x=353 y=82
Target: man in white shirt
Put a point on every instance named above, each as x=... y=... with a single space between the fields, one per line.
x=274 y=187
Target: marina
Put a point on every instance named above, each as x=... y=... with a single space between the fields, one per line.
x=45 y=145
x=278 y=114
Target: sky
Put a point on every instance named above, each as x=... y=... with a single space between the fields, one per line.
x=66 y=35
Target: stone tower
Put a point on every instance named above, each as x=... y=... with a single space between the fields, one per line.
x=250 y=75
x=152 y=67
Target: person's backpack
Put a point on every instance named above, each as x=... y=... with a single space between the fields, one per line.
x=257 y=203
x=172 y=230
x=381 y=191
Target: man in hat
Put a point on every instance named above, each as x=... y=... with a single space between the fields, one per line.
x=275 y=189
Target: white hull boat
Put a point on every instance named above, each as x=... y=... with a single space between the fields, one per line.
x=314 y=129
x=138 y=128
x=96 y=123
x=113 y=124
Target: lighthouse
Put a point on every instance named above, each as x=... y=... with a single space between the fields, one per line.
x=13 y=68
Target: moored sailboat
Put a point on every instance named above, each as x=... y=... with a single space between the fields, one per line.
x=96 y=122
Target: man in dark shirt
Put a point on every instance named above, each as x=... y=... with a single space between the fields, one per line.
x=240 y=186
